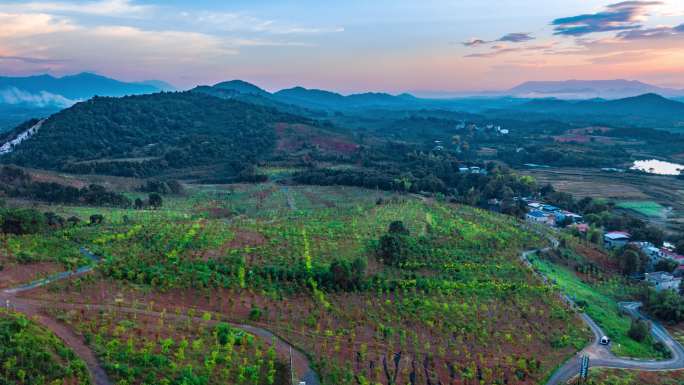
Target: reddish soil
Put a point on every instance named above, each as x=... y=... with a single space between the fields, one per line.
x=317 y=199
x=244 y=238
x=262 y=195
x=305 y=324
x=70 y=339
x=581 y=139
x=16 y=274
x=295 y=137
x=600 y=258
x=110 y=296
x=39 y=176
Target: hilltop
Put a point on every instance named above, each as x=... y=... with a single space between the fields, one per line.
x=23 y=98
x=147 y=135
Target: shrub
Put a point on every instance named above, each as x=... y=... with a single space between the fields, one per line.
x=639 y=330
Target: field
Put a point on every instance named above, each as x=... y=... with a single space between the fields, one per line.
x=645 y=208
x=300 y=261
x=623 y=187
x=32 y=355
x=600 y=297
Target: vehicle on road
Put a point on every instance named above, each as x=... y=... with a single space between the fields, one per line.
x=604 y=341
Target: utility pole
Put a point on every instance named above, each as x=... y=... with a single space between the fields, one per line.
x=292 y=375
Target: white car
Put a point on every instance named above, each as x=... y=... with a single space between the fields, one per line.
x=604 y=341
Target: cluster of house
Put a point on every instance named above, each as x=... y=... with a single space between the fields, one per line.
x=550 y=215
x=488 y=127
x=659 y=280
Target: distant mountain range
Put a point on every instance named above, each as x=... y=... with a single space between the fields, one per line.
x=313 y=99
x=648 y=110
x=22 y=98
x=81 y=86
x=588 y=89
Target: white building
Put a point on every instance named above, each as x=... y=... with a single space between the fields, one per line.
x=615 y=239
x=663 y=281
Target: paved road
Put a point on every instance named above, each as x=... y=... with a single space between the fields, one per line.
x=600 y=355
x=32 y=308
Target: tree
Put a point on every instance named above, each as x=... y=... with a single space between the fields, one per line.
x=74 y=220
x=22 y=221
x=639 y=330
x=96 y=219
x=139 y=204
x=155 y=200
x=632 y=261
x=394 y=247
x=667 y=305
x=667 y=265
x=398 y=227
x=345 y=275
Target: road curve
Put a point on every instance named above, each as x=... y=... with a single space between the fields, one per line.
x=600 y=355
x=31 y=308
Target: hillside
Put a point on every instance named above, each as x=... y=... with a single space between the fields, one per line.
x=646 y=110
x=145 y=135
x=23 y=98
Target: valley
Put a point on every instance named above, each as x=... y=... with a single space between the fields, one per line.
x=231 y=235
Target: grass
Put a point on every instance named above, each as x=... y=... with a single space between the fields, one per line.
x=602 y=308
x=646 y=208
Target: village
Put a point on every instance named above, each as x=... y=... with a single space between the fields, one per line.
x=555 y=217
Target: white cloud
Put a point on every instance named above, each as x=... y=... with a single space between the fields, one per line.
x=13 y=95
x=232 y=21
x=99 y=7
x=30 y=24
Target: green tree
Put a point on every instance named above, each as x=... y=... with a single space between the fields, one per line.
x=639 y=330
x=155 y=200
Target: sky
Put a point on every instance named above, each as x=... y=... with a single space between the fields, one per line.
x=347 y=46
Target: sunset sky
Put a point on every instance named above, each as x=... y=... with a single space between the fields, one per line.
x=348 y=46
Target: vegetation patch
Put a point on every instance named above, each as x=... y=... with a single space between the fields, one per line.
x=32 y=355
x=646 y=208
x=600 y=303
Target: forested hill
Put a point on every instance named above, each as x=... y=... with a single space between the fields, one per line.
x=149 y=134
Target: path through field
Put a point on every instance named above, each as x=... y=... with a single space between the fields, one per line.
x=32 y=308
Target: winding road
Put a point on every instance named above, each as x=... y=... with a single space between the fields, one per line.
x=32 y=308
x=600 y=355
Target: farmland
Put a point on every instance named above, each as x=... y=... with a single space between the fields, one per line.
x=32 y=355
x=645 y=208
x=303 y=263
x=650 y=191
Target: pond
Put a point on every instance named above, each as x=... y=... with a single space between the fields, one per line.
x=654 y=166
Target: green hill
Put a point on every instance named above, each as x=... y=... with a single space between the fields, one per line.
x=150 y=134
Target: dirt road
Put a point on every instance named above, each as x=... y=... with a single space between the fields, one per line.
x=34 y=309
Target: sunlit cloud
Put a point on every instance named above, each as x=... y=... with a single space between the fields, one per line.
x=498 y=50
x=99 y=7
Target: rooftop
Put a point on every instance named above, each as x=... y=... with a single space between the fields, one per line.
x=615 y=235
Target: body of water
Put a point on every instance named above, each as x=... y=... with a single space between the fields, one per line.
x=659 y=167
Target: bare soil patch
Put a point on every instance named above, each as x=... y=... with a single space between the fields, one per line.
x=17 y=274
